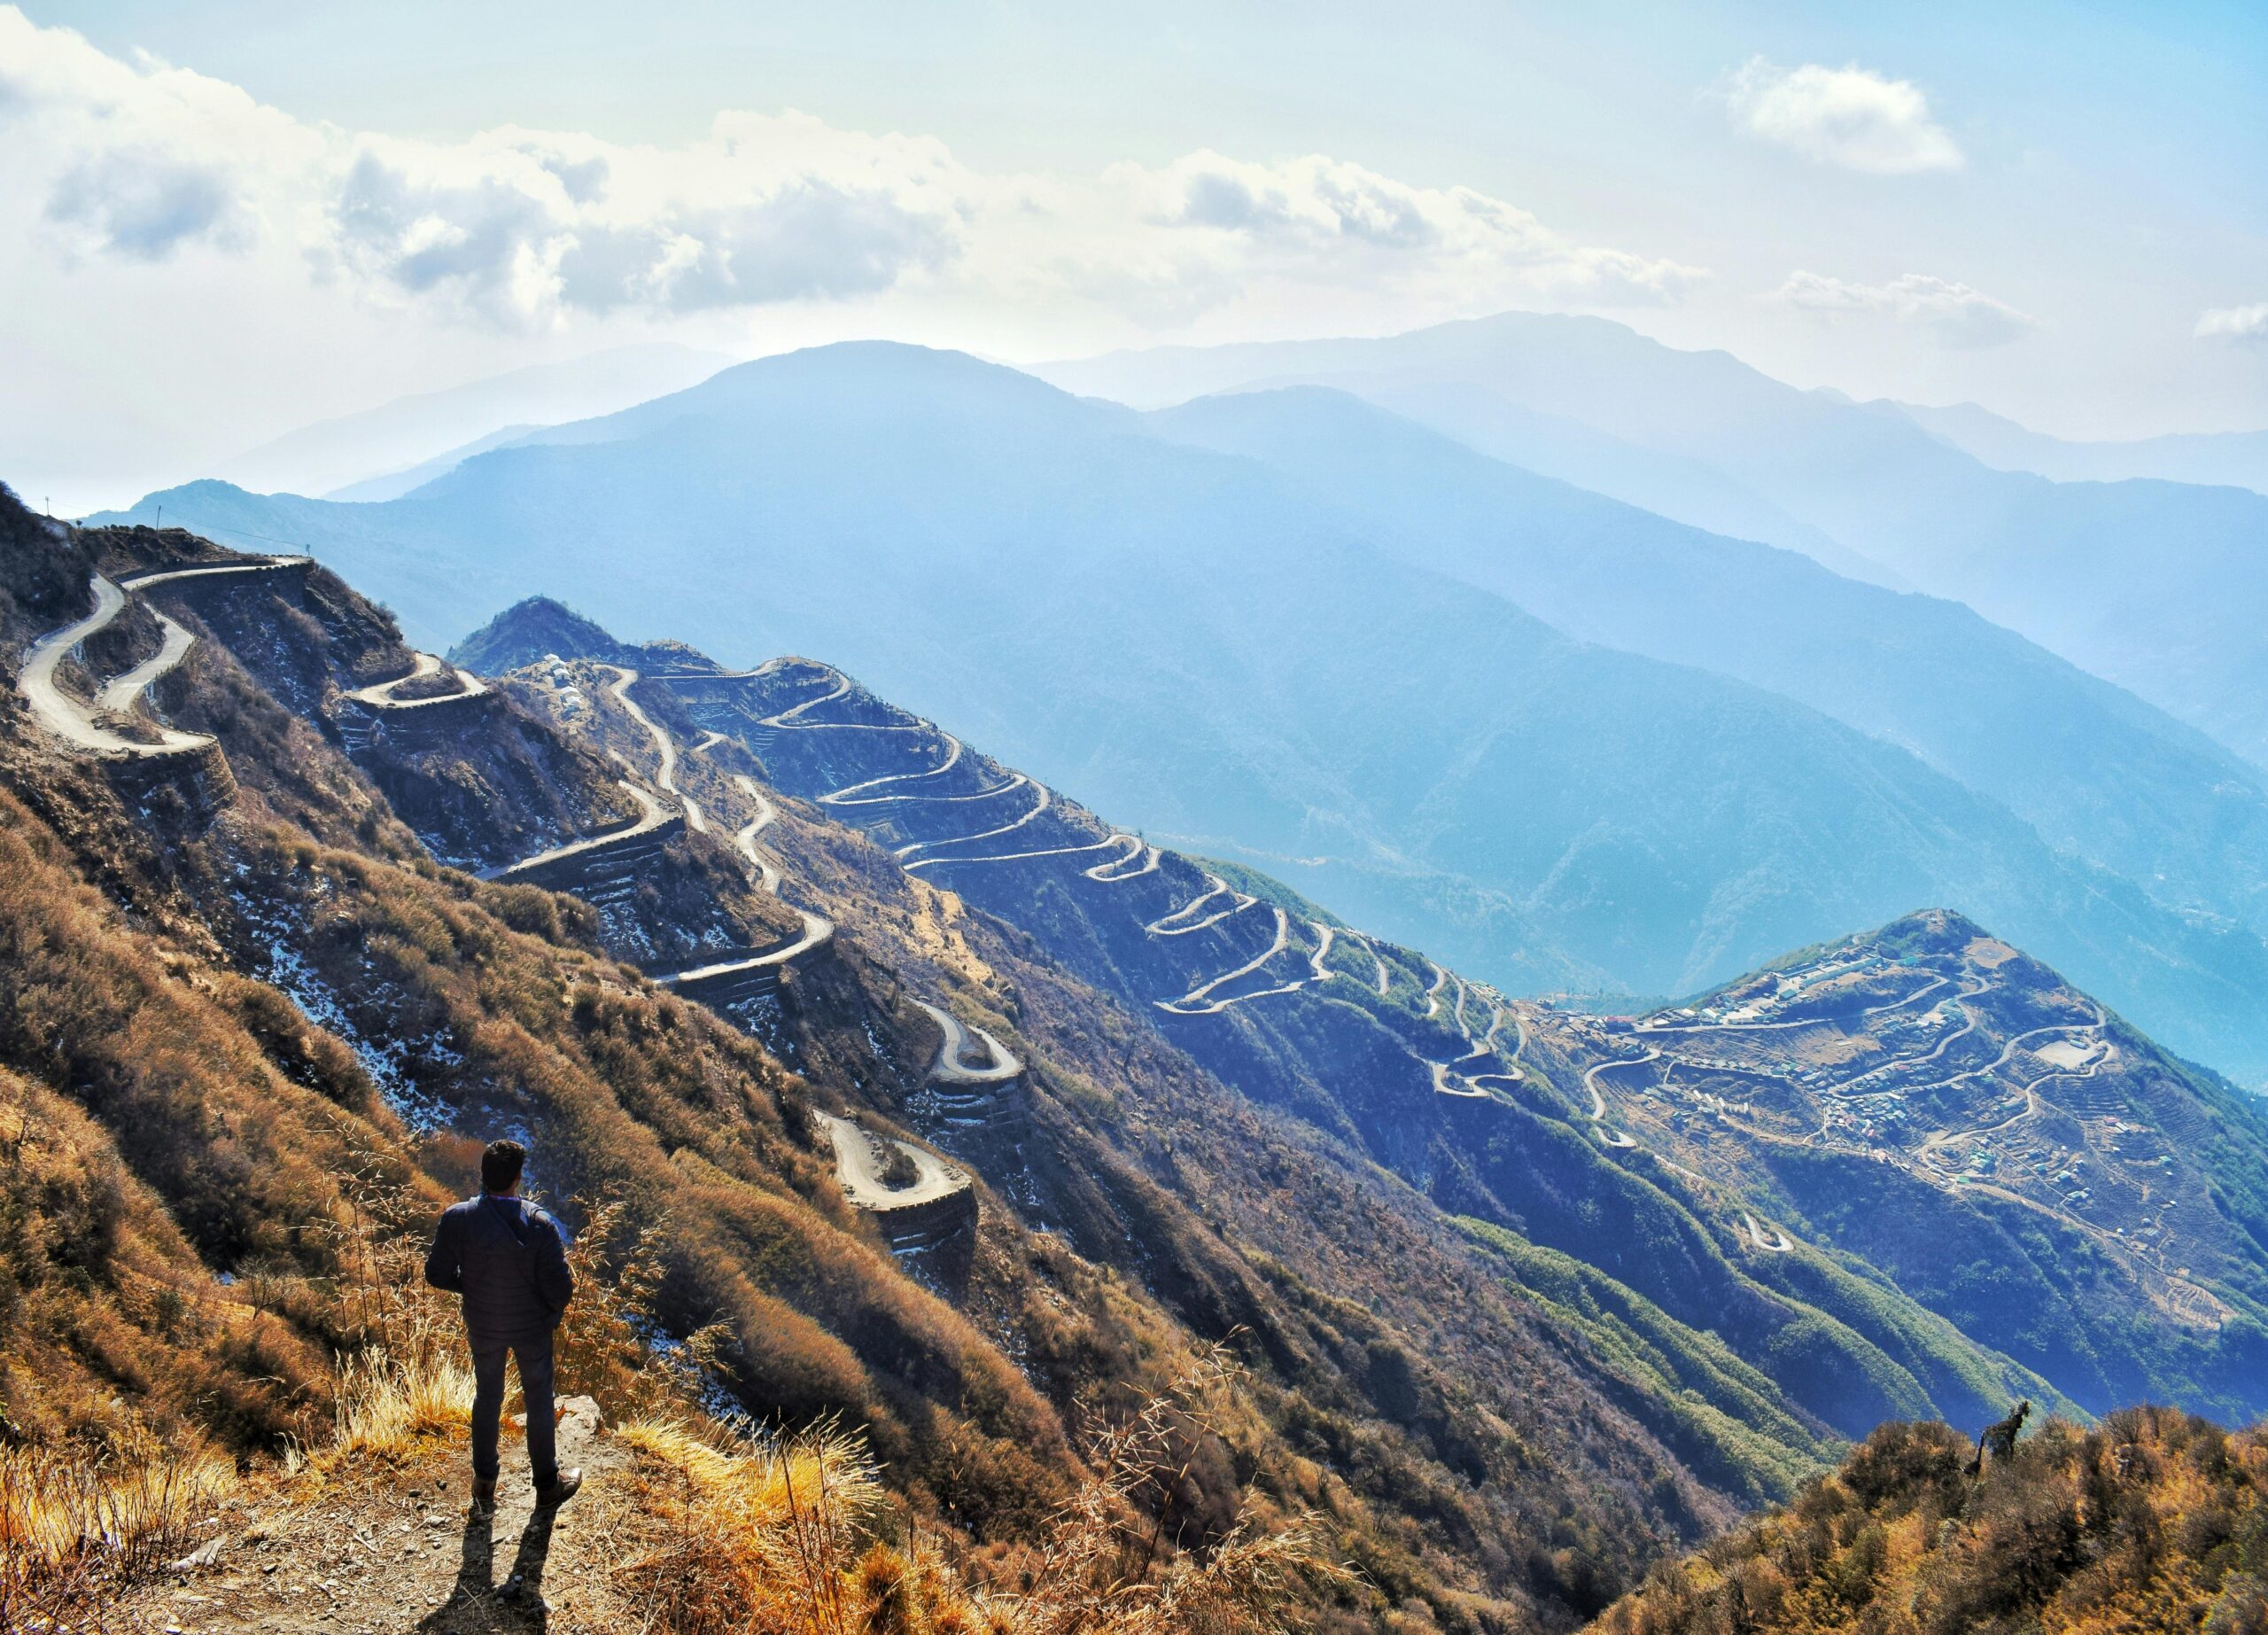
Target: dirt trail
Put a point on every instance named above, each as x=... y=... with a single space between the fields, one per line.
x=380 y=1548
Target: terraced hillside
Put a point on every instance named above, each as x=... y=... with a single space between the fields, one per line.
x=1528 y=1121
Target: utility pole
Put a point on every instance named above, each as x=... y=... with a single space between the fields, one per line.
x=162 y=516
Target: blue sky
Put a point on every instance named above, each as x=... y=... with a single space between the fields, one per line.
x=308 y=209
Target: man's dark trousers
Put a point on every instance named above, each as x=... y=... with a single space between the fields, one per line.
x=488 y=1406
x=505 y=1256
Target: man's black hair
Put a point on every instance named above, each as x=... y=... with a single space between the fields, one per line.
x=500 y=1166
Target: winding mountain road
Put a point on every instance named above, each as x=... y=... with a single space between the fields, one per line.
x=767 y=871
x=1196 y=1002
x=1385 y=977
x=1613 y=1137
x=1113 y=871
x=859 y=1164
x=818 y=929
x=1165 y=926
x=381 y=697
x=618 y=690
x=651 y=815
x=73 y=722
x=1015 y=857
x=1772 y=1242
x=119 y=695
x=952 y=1065
x=1038 y=806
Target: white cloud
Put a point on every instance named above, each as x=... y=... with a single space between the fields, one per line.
x=145 y=206
x=1314 y=215
x=2240 y=324
x=140 y=161
x=1850 y=117
x=1956 y=314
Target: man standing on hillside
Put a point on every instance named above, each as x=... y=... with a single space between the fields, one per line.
x=506 y=1259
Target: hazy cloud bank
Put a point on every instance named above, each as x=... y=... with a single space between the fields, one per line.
x=143 y=162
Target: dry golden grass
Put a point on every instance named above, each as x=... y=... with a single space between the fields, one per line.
x=75 y=1526
x=385 y=1403
x=784 y=1537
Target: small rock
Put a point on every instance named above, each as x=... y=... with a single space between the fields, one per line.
x=203 y=1555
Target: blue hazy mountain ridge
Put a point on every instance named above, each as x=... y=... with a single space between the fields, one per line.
x=406 y=432
x=2152 y=585
x=2230 y=459
x=393 y=485
x=2097 y=772
x=1670 y=486
x=1185 y=639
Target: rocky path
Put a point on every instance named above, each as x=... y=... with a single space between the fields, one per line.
x=376 y=1548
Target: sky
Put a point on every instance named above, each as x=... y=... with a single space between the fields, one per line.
x=236 y=218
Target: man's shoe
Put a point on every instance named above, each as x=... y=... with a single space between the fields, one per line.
x=562 y=1488
x=484 y=1499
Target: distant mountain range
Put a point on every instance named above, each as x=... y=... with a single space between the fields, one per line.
x=2153 y=585
x=388 y=450
x=1320 y=649
x=2222 y=459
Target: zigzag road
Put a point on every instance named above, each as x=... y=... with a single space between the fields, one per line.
x=381 y=696
x=73 y=722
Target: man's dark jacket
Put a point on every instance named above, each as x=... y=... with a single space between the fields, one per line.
x=506 y=1258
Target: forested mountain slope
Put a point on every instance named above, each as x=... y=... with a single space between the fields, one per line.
x=2097 y=772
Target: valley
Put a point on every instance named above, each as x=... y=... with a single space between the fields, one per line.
x=1004 y=1034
